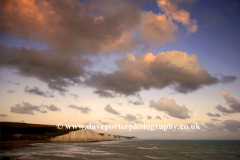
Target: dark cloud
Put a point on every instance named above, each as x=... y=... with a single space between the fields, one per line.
x=213 y=119
x=158 y=117
x=22 y=121
x=234 y=105
x=212 y=127
x=138 y=102
x=57 y=71
x=170 y=107
x=84 y=110
x=130 y=117
x=149 y=117
x=213 y=115
x=104 y=94
x=224 y=109
x=104 y=123
x=3 y=115
x=144 y=72
x=37 y=91
x=109 y=109
x=10 y=91
x=230 y=125
x=52 y=107
x=227 y=79
x=27 y=108
x=71 y=26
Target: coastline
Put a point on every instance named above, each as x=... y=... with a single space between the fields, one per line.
x=14 y=135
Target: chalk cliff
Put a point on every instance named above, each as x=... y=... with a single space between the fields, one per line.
x=84 y=135
x=11 y=131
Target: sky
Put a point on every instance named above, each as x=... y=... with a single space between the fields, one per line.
x=110 y=62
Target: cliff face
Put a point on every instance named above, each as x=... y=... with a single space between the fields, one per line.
x=84 y=135
x=11 y=131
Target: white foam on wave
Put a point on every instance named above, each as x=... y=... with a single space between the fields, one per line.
x=102 y=153
x=37 y=144
x=62 y=155
x=143 y=148
x=156 y=157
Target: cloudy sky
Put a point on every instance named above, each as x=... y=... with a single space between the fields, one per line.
x=109 y=62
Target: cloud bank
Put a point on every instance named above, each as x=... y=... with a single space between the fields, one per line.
x=230 y=125
x=28 y=108
x=37 y=91
x=174 y=69
x=57 y=71
x=70 y=29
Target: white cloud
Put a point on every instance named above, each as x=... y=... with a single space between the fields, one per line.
x=170 y=107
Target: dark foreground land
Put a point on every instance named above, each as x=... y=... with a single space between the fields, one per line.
x=23 y=134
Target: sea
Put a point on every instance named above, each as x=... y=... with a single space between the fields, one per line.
x=130 y=149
